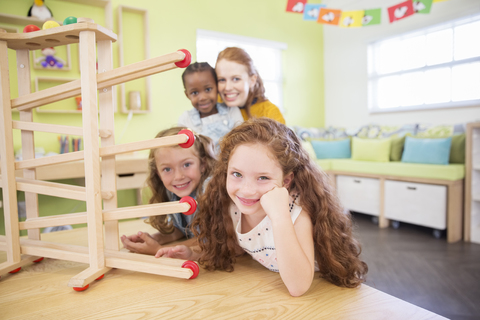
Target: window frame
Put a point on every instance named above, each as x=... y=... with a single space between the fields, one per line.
x=373 y=76
x=281 y=46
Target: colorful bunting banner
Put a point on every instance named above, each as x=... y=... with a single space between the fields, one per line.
x=311 y=11
x=358 y=18
x=296 y=6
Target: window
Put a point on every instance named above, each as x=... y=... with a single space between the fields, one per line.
x=266 y=56
x=436 y=67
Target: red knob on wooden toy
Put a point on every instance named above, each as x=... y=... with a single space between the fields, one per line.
x=185 y=62
x=192 y=266
x=191 y=138
x=38 y=260
x=101 y=277
x=81 y=288
x=16 y=270
x=30 y=28
x=191 y=202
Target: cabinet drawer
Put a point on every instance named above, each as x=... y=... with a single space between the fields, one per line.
x=416 y=203
x=359 y=194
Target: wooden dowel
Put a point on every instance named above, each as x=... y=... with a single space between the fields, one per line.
x=51 y=189
x=55 y=253
x=46 y=161
x=144 y=258
x=53 y=221
x=156 y=209
x=153 y=267
x=106 y=79
x=144 y=145
x=43 y=127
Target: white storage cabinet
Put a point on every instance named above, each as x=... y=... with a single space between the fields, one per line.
x=359 y=194
x=416 y=203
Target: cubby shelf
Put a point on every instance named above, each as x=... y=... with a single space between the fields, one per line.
x=472 y=183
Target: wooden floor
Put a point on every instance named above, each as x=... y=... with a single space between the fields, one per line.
x=410 y=264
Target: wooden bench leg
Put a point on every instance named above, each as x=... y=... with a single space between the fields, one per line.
x=455 y=211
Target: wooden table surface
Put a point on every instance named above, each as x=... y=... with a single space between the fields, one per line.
x=250 y=292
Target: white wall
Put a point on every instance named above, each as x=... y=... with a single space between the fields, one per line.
x=345 y=64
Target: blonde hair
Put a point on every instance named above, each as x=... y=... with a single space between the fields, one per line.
x=240 y=56
x=336 y=251
x=203 y=149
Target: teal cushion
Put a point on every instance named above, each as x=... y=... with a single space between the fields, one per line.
x=336 y=149
x=429 y=151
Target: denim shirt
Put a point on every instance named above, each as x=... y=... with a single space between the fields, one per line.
x=214 y=126
x=180 y=221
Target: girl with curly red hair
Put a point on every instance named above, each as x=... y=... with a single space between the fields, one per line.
x=267 y=197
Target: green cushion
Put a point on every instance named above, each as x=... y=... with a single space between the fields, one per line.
x=430 y=171
x=396 y=149
x=377 y=150
x=457 y=150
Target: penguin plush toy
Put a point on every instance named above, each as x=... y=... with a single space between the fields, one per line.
x=40 y=11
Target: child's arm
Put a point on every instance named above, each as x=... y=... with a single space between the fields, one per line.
x=293 y=243
x=179 y=252
x=144 y=243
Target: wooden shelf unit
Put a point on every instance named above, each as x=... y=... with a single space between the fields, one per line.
x=472 y=183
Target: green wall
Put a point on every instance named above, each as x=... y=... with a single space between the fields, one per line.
x=173 y=26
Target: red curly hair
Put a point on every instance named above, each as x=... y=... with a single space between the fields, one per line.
x=203 y=148
x=336 y=251
x=240 y=56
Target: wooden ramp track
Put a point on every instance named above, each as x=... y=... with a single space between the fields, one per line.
x=99 y=162
x=104 y=151
x=105 y=79
x=156 y=209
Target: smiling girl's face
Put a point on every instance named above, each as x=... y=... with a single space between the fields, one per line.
x=234 y=83
x=252 y=172
x=179 y=169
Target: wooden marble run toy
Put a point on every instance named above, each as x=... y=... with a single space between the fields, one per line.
x=103 y=252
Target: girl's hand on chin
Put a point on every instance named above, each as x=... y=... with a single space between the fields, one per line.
x=275 y=202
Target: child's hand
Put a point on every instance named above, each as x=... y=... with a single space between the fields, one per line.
x=177 y=252
x=275 y=203
x=141 y=242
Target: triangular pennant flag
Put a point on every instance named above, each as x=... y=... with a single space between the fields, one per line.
x=351 y=19
x=422 y=6
x=400 y=11
x=296 y=6
x=311 y=11
x=329 y=16
x=372 y=17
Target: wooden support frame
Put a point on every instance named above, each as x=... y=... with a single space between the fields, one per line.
x=100 y=191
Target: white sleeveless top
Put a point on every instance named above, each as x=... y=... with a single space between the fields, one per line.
x=259 y=241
